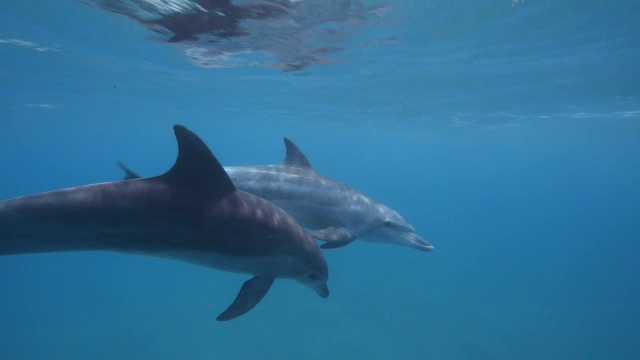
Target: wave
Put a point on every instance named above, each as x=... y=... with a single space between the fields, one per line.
x=27 y=44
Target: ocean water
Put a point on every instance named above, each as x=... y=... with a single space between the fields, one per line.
x=506 y=131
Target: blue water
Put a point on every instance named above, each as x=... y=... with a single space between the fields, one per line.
x=507 y=132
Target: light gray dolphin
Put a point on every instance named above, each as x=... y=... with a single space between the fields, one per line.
x=192 y=213
x=337 y=213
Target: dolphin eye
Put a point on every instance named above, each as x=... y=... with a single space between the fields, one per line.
x=388 y=223
x=313 y=276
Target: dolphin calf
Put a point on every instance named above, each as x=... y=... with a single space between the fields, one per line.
x=337 y=213
x=192 y=213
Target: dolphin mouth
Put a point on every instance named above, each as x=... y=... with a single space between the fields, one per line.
x=420 y=243
x=322 y=290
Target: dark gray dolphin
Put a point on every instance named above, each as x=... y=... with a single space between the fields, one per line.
x=338 y=213
x=187 y=20
x=192 y=213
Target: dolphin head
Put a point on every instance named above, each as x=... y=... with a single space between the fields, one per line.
x=286 y=249
x=390 y=227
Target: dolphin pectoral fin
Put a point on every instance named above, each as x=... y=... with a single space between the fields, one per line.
x=334 y=245
x=128 y=173
x=334 y=237
x=252 y=291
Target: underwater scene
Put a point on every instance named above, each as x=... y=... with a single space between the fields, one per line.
x=319 y=179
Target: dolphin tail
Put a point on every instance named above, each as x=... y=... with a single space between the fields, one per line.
x=252 y=291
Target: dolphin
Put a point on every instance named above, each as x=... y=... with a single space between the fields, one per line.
x=188 y=20
x=192 y=213
x=335 y=212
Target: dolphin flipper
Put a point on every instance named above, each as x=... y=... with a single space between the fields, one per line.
x=128 y=173
x=334 y=237
x=252 y=291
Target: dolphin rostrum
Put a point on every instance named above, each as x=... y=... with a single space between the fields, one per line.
x=192 y=213
x=337 y=213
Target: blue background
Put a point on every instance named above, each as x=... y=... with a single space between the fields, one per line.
x=507 y=132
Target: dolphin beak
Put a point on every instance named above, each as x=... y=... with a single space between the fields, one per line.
x=322 y=290
x=421 y=244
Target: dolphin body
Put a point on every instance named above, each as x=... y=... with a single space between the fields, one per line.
x=192 y=213
x=337 y=213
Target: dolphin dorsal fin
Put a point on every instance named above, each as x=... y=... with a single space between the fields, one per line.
x=196 y=167
x=128 y=173
x=295 y=157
